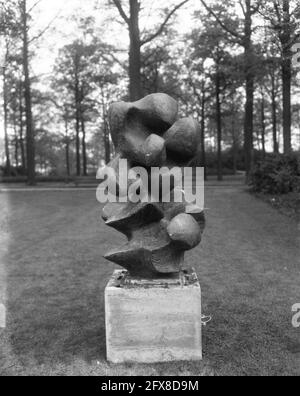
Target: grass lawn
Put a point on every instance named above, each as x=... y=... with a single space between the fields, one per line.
x=288 y=204
x=52 y=278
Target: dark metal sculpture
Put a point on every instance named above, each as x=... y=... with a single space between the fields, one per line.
x=148 y=133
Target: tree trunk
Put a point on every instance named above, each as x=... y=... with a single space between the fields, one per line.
x=274 y=115
x=77 y=116
x=67 y=142
x=68 y=168
x=16 y=140
x=135 y=82
x=219 y=125
x=5 y=109
x=84 y=156
x=234 y=140
x=286 y=76
x=106 y=131
x=21 y=139
x=30 y=144
x=263 y=124
x=106 y=143
x=203 y=152
x=234 y=154
x=248 y=127
x=286 y=93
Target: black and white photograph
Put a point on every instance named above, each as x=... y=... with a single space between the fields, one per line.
x=149 y=191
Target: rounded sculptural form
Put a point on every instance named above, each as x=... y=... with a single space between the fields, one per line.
x=148 y=133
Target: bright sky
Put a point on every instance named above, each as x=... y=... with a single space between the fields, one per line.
x=105 y=18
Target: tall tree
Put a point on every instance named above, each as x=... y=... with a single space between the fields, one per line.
x=13 y=106
x=284 y=19
x=73 y=73
x=243 y=37
x=21 y=125
x=84 y=154
x=105 y=82
x=30 y=144
x=268 y=79
x=210 y=43
x=66 y=113
x=155 y=59
x=5 y=111
x=67 y=139
x=131 y=16
x=78 y=98
x=83 y=73
x=272 y=86
x=219 y=118
x=262 y=119
x=7 y=33
x=285 y=39
x=203 y=105
x=274 y=91
x=274 y=115
x=106 y=136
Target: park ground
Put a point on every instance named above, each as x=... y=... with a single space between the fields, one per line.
x=53 y=276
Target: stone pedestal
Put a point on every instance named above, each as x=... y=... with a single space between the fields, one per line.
x=153 y=321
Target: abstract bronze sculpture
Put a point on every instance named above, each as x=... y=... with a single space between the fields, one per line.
x=149 y=134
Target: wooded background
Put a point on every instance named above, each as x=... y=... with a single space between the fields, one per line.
x=229 y=64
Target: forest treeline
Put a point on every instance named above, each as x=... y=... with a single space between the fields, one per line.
x=232 y=70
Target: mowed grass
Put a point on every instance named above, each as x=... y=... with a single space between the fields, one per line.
x=55 y=276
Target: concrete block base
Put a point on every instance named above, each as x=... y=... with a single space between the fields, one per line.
x=153 y=321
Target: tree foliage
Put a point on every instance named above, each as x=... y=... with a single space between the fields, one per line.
x=231 y=69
